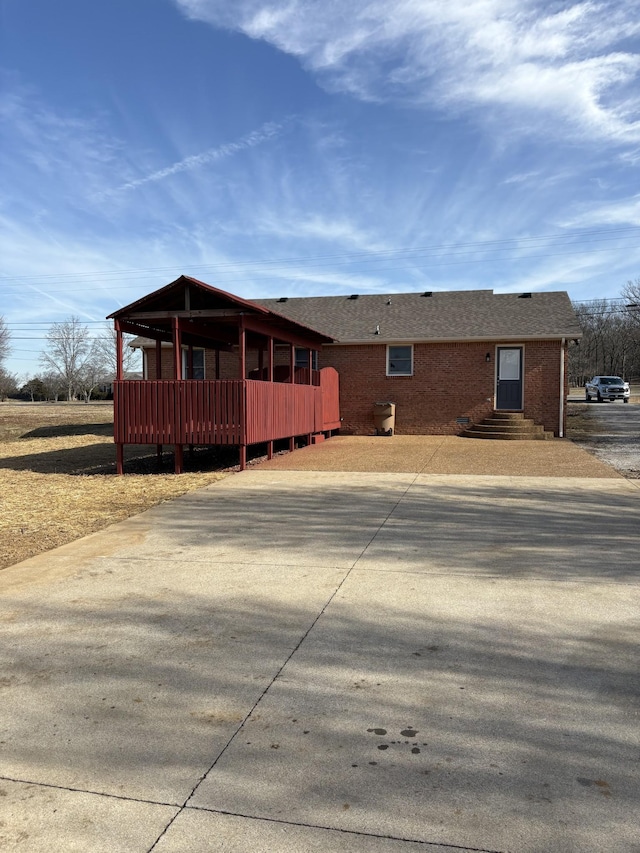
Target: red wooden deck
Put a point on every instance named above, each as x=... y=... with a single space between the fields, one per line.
x=233 y=412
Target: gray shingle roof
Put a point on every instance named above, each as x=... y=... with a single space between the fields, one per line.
x=443 y=316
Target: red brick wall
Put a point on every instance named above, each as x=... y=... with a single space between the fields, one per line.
x=450 y=381
x=542 y=383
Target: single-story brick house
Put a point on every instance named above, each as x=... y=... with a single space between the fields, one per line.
x=446 y=359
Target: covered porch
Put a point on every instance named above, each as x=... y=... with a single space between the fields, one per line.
x=251 y=399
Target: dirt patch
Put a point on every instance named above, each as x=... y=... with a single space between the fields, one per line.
x=579 y=424
x=58 y=479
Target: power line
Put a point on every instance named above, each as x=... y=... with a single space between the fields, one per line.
x=290 y=276
x=340 y=256
x=448 y=250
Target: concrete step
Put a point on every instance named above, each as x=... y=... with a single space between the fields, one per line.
x=512 y=426
x=497 y=425
x=508 y=416
x=507 y=436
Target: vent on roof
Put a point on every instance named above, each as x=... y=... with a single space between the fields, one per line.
x=427 y=293
x=354 y=296
x=283 y=299
x=524 y=296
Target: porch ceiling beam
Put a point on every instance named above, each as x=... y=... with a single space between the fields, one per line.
x=261 y=327
x=204 y=343
x=206 y=332
x=195 y=314
x=145 y=331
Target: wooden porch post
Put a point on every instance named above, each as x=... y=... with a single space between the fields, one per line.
x=309 y=360
x=270 y=379
x=189 y=369
x=119 y=360
x=292 y=379
x=159 y=377
x=177 y=375
x=242 y=341
x=270 y=360
x=177 y=348
x=119 y=444
x=179 y=458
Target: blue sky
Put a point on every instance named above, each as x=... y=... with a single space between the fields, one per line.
x=299 y=147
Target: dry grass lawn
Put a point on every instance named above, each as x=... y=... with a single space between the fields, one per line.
x=58 y=480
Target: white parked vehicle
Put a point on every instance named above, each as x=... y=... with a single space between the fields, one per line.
x=607 y=388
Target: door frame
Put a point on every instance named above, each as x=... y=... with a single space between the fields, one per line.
x=498 y=348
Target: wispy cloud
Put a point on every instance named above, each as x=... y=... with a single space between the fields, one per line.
x=338 y=232
x=559 y=273
x=52 y=156
x=625 y=211
x=573 y=63
x=263 y=134
x=297 y=281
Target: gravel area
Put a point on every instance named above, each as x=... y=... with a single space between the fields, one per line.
x=611 y=432
x=440 y=454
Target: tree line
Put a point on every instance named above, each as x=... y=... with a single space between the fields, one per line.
x=610 y=343
x=74 y=364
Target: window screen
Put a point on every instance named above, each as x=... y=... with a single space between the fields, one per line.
x=198 y=364
x=400 y=361
x=302 y=358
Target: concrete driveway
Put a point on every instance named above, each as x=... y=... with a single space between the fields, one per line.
x=321 y=661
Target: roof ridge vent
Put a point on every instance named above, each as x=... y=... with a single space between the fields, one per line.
x=524 y=296
x=283 y=299
x=427 y=293
x=354 y=296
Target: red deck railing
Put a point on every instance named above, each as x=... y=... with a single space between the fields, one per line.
x=226 y=411
x=183 y=412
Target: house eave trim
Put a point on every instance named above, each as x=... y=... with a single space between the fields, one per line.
x=560 y=336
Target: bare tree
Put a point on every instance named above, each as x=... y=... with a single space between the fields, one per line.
x=53 y=384
x=610 y=340
x=69 y=347
x=8 y=384
x=5 y=340
x=631 y=292
x=105 y=350
x=94 y=372
x=35 y=388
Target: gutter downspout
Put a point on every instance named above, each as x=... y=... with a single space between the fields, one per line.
x=562 y=358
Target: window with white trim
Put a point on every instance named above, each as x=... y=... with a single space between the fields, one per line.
x=198 y=364
x=400 y=360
